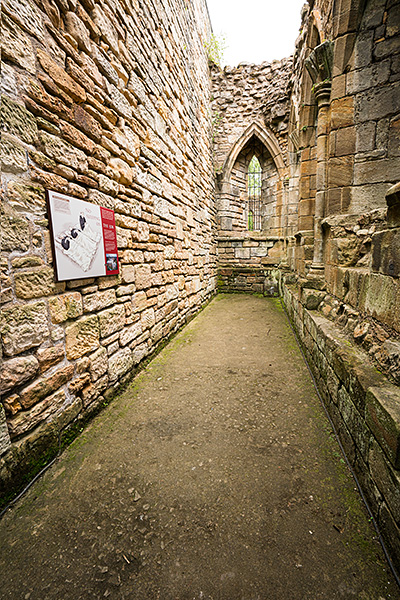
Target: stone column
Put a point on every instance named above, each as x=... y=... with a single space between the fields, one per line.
x=285 y=220
x=319 y=66
x=322 y=92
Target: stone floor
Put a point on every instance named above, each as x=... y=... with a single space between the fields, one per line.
x=214 y=476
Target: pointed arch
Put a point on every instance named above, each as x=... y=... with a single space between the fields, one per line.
x=266 y=137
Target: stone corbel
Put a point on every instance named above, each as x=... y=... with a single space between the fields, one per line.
x=319 y=63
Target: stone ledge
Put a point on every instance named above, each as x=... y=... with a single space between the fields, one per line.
x=375 y=398
x=383 y=418
x=230 y=269
x=256 y=237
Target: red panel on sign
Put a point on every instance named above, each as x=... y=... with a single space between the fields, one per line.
x=110 y=241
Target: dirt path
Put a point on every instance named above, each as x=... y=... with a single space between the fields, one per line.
x=214 y=476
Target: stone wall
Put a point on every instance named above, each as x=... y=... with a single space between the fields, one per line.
x=363 y=405
x=250 y=118
x=343 y=144
x=248 y=94
x=343 y=295
x=108 y=102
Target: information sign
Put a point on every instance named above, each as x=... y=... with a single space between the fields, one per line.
x=83 y=236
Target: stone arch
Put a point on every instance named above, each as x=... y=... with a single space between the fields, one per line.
x=266 y=137
x=232 y=193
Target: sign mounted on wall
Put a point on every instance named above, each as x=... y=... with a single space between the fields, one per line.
x=83 y=236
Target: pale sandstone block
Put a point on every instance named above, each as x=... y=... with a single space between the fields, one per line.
x=67 y=306
x=111 y=320
x=17 y=371
x=82 y=337
x=23 y=327
x=98 y=363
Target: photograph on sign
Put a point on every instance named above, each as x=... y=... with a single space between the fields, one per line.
x=84 y=238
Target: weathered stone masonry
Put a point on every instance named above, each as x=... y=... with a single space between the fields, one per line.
x=108 y=102
x=250 y=117
x=114 y=102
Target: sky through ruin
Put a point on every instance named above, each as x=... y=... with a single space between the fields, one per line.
x=256 y=31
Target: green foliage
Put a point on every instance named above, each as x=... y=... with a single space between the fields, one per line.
x=215 y=48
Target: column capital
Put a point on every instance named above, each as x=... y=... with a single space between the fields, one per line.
x=322 y=92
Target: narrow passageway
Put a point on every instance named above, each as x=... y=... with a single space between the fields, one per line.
x=215 y=476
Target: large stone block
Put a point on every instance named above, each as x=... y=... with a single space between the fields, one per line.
x=78 y=30
x=18 y=121
x=104 y=65
x=16 y=45
x=128 y=334
x=143 y=277
x=76 y=137
x=345 y=141
x=64 y=152
x=93 y=391
x=106 y=28
x=139 y=301
x=387 y=480
x=60 y=77
x=394 y=138
x=13 y=156
x=27 y=15
x=86 y=123
x=28 y=420
x=128 y=273
x=148 y=318
x=383 y=417
x=45 y=386
x=386 y=252
x=98 y=363
x=342 y=112
x=378 y=103
x=118 y=102
x=386 y=48
x=27 y=198
x=82 y=337
x=139 y=353
x=122 y=171
x=17 y=371
x=67 y=306
x=376 y=171
x=48 y=357
x=119 y=364
x=98 y=300
x=111 y=320
x=23 y=327
x=340 y=171
x=14 y=233
x=367 y=197
x=35 y=283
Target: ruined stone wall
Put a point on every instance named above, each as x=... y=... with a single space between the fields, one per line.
x=344 y=147
x=250 y=117
x=244 y=95
x=108 y=102
x=343 y=294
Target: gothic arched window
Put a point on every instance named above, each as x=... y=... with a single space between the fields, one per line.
x=254 y=195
